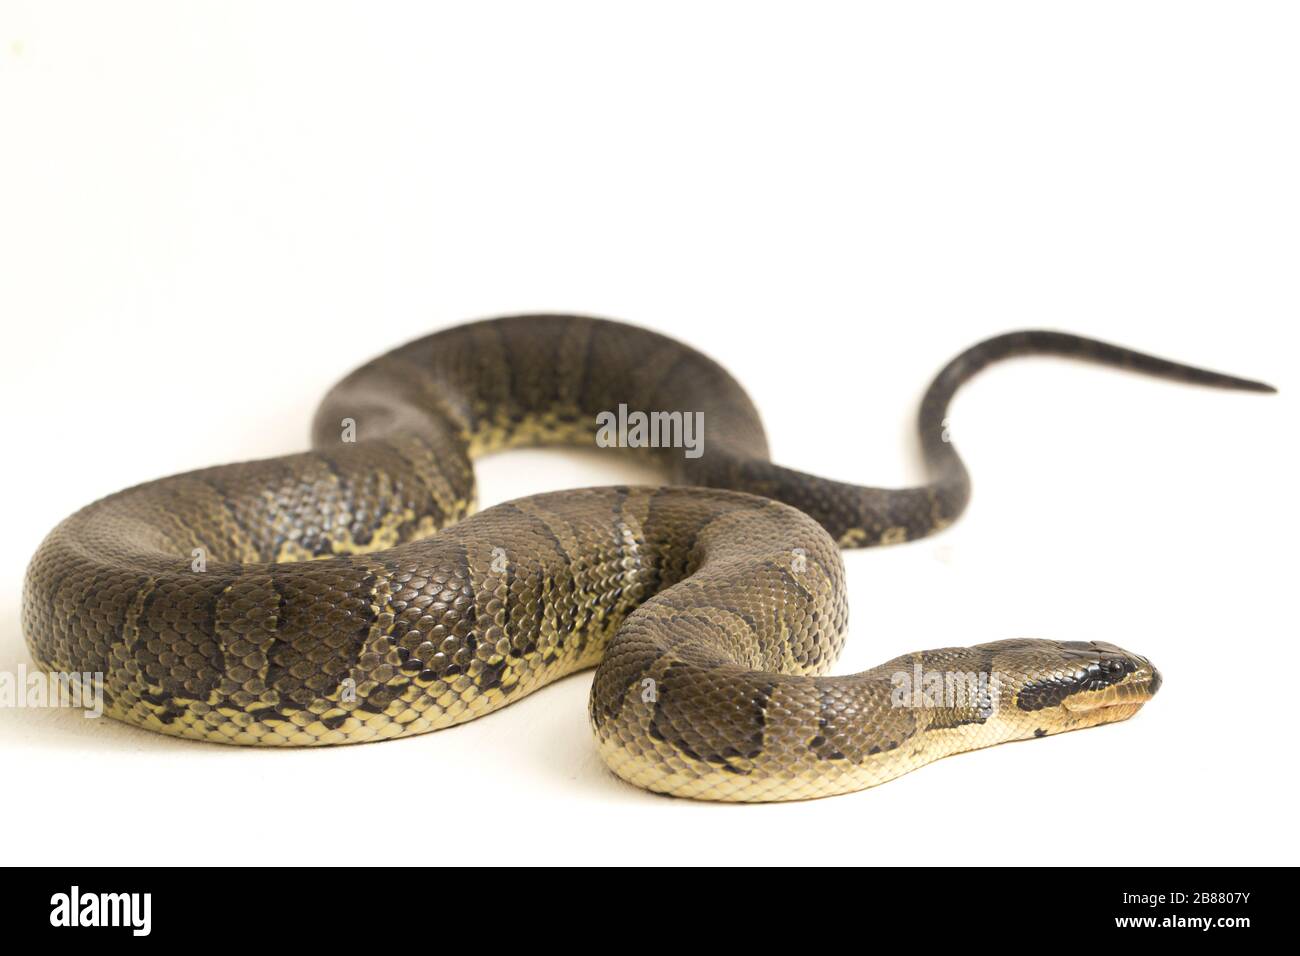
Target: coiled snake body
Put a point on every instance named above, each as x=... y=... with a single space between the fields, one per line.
x=346 y=595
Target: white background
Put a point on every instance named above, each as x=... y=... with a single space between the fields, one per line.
x=209 y=212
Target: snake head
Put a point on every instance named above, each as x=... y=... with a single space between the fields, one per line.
x=1068 y=685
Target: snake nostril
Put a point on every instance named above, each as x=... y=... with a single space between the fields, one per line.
x=1156 y=681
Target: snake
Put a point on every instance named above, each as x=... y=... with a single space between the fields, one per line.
x=353 y=593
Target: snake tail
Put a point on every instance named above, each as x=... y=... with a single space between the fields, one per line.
x=858 y=516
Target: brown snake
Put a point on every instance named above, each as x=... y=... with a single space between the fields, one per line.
x=346 y=595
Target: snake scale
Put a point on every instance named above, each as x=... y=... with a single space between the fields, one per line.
x=349 y=594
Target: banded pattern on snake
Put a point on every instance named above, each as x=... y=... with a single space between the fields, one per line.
x=347 y=594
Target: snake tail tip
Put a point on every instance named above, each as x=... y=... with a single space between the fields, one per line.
x=1247 y=385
